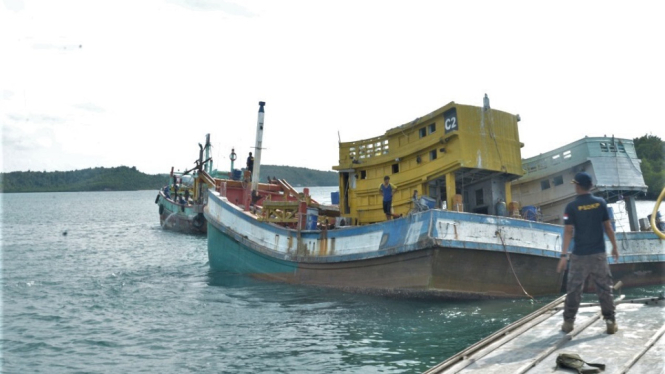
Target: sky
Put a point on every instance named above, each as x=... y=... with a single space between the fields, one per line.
x=140 y=83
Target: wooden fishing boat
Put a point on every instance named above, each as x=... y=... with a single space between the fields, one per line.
x=460 y=157
x=182 y=199
x=612 y=163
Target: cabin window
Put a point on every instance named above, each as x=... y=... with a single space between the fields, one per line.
x=422 y=132
x=544 y=185
x=558 y=180
x=621 y=148
x=556 y=159
x=395 y=168
x=363 y=174
x=432 y=155
x=603 y=147
x=479 y=197
x=431 y=128
x=612 y=148
x=567 y=154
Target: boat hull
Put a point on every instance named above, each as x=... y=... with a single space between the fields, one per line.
x=436 y=271
x=187 y=219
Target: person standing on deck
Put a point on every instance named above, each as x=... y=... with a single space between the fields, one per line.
x=250 y=163
x=387 y=190
x=586 y=220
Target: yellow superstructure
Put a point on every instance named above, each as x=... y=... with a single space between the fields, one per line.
x=456 y=153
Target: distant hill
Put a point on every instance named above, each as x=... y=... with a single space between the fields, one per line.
x=125 y=178
x=300 y=176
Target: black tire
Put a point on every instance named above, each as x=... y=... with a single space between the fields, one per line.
x=161 y=209
x=157 y=199
x=198 y=221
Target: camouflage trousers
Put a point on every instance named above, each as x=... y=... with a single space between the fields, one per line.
x=596 y=268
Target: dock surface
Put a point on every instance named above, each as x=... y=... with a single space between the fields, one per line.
x=532 y=344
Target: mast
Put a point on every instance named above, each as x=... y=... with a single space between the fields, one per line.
x=208 y=167
x=258 y=147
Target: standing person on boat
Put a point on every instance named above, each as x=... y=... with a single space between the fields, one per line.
x=387 y=190
x=586 y=220
x=250 y=162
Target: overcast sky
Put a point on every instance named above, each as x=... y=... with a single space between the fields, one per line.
x=88 y=83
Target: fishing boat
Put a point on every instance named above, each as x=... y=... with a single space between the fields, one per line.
x=455 y=237
x=544 y=190
x=182 y=199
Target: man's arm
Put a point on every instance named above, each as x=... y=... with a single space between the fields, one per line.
x=610 y=234
x=567 y=237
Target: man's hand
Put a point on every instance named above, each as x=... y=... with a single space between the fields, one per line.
x=562 y=264
x=615 y=253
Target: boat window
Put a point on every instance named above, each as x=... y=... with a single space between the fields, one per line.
x=556 y=159
x=422 y=132
x=613 y=148
x=603 y=147
x=621 y=147
x=431 y=128
x=479 y=197
x=363 y=174
x=558 y=180
x=395 y=168
x=544 y=185
x=432 y=155
x=566 y=154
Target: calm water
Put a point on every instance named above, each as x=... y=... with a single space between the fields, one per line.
x=118 y=294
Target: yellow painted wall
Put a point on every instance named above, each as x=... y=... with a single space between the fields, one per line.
x=485 y=139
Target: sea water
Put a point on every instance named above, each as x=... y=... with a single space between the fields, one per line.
x=92 y=284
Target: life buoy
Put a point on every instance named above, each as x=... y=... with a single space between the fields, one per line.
x=198 y=221
x=157 y=199
x=161 y=209
x=233 y=156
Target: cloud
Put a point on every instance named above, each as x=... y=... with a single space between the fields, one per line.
x=15 y=5
x=17 y=139
x=213 y=5
x=60 y=47
x=90 y=107
x=35 y=118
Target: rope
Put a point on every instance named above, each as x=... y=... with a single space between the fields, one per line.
x=505 y=249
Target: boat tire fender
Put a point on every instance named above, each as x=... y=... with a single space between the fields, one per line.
x=198 y=221
x=161 y=209
x=157 y=199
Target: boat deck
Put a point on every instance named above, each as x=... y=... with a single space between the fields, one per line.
x=532 y=344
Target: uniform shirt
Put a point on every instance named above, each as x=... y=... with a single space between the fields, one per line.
x=387 y=191
x=587 y=213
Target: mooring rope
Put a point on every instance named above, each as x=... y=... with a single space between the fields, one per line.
x=505 y=249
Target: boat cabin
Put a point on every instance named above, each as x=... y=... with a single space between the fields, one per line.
x=459 y=157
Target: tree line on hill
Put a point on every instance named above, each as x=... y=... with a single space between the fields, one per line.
x=650 y=150
x=125 y=178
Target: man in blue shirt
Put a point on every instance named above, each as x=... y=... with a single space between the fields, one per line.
x=387 y=189
x=586 y=221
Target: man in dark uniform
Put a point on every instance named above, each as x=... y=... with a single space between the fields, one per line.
x=250 y=162
x=586 y=220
